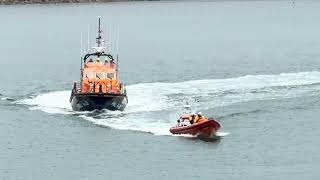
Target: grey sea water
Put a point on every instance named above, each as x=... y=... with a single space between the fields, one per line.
x=254 y=65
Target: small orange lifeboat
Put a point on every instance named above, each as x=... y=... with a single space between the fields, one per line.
x=204 y=128
x=99 y=86
x=195 y=124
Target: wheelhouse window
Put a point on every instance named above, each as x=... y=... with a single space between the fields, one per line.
x=100 y=75
x=89 y=75
x=110 y=75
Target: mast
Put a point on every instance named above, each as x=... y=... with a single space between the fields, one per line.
x=99 y=38
x=100 y=43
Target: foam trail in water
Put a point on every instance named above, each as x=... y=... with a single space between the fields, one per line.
x=222 y=134
x=52 y=102
x=154 y=107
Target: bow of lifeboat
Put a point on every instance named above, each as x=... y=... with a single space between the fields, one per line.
x=205 y=128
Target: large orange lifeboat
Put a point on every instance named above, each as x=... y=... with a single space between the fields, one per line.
x=99 y=86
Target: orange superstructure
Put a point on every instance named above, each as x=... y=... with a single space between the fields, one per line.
x=100 y=77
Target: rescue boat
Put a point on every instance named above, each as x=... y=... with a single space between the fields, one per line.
x=99 y=86
x=202 y=127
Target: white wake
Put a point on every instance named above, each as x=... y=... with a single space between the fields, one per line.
x=154 y=107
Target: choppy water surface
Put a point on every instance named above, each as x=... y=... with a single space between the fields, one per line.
x=254 y=65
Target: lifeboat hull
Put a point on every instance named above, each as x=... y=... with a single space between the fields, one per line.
x=205 y=128
x=90 y=102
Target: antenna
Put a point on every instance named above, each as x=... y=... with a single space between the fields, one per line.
x=117 y=66
x=196 y=100
x=117 y=51
x=109 y=39
x=81 y=50
x=88 y=37
x=118 y=39
x=81 y=59
x=106 y=36
x=81 y=46
x=112 y=40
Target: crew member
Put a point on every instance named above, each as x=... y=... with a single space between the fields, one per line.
x=112 y=63
x=178 y=122
x=201 y=117
x=191 y=118
x=196 y=118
